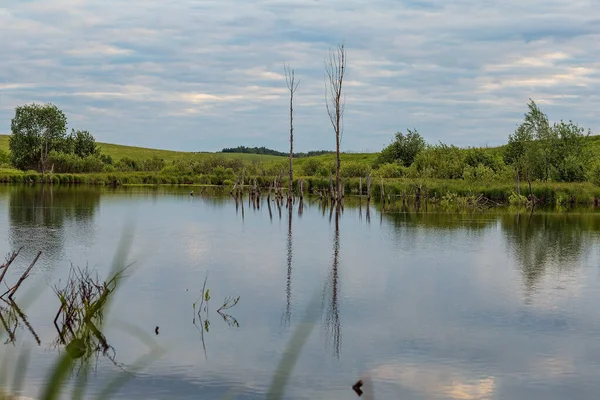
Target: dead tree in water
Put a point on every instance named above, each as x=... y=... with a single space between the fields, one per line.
x=292 y=85
x=242 y=184
x=360 y=187
x=301 y=189
x=331 y=189
x=335 y=67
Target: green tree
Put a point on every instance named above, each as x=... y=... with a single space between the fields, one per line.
x=37 y=129
x=519 y=153
x=477 y=156
x=537 y=123
x=404 y=149
x=571 y=158
x=84 y=144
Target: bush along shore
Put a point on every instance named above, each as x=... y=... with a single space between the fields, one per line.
x=444 y=191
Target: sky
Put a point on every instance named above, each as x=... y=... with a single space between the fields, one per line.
x=200 y=75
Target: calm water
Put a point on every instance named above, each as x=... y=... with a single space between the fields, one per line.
x=487 y=305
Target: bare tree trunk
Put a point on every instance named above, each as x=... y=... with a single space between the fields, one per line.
x=335 y=68
x=292 y=85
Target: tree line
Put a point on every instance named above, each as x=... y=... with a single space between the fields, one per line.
x=271 y=152
x=536 y=151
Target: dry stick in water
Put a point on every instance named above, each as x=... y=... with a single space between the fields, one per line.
x=8 y=262
x=360 y=187
x=22 y=278
x=331 y=192
x=382 y=193
x=234 y=190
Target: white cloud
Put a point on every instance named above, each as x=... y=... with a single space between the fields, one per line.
x=472 y=64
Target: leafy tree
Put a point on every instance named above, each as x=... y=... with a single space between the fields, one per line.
x=571 y=157
x=36 y=130
x=474 y=157
x=403 y=149
x=84 y=144
x=519 y=153
x=537 y=123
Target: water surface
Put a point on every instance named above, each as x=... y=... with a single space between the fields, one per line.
x=427 y=305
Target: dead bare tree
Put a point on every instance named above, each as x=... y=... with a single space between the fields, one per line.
x=335 y=68
x=292 y=85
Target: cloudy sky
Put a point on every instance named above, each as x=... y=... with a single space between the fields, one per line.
x=203 y=74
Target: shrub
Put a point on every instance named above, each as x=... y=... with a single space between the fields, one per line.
x=106 y=159
x=310 y=166
x=390 y=170
x=480 y=173
x=517 y=199
x=71 y=163
x=354 y=169
x=220 y=174
x=594 y=173
x=4 y=157
x=152 y=164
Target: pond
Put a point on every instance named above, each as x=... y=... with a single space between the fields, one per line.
x=489 y=304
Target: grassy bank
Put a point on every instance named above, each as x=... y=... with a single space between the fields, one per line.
x=434 y=189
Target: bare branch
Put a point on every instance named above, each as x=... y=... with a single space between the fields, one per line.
x=335 y=69
x=292 y=85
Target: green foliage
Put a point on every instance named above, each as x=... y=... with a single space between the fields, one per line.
x=480 y=173
x=390 y=170
x=594 y=173
x=475 y=157
x=4 y=158
x=311 y=166
x=36 y=131
x=126 y=164
x=354 y=169
x=517 y=200
x=403 y=149
x=84 y=144
x=106 y=159
x=440 y=161
x=326 y=170
x=538 y=151
x=208 y=164
x=71 y=163
x=220 y=174
x=536 y=123
x=570 y=158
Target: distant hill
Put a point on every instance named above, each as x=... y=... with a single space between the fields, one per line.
x=266 y=151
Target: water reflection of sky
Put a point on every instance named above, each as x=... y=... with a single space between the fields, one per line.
x=436 y=306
